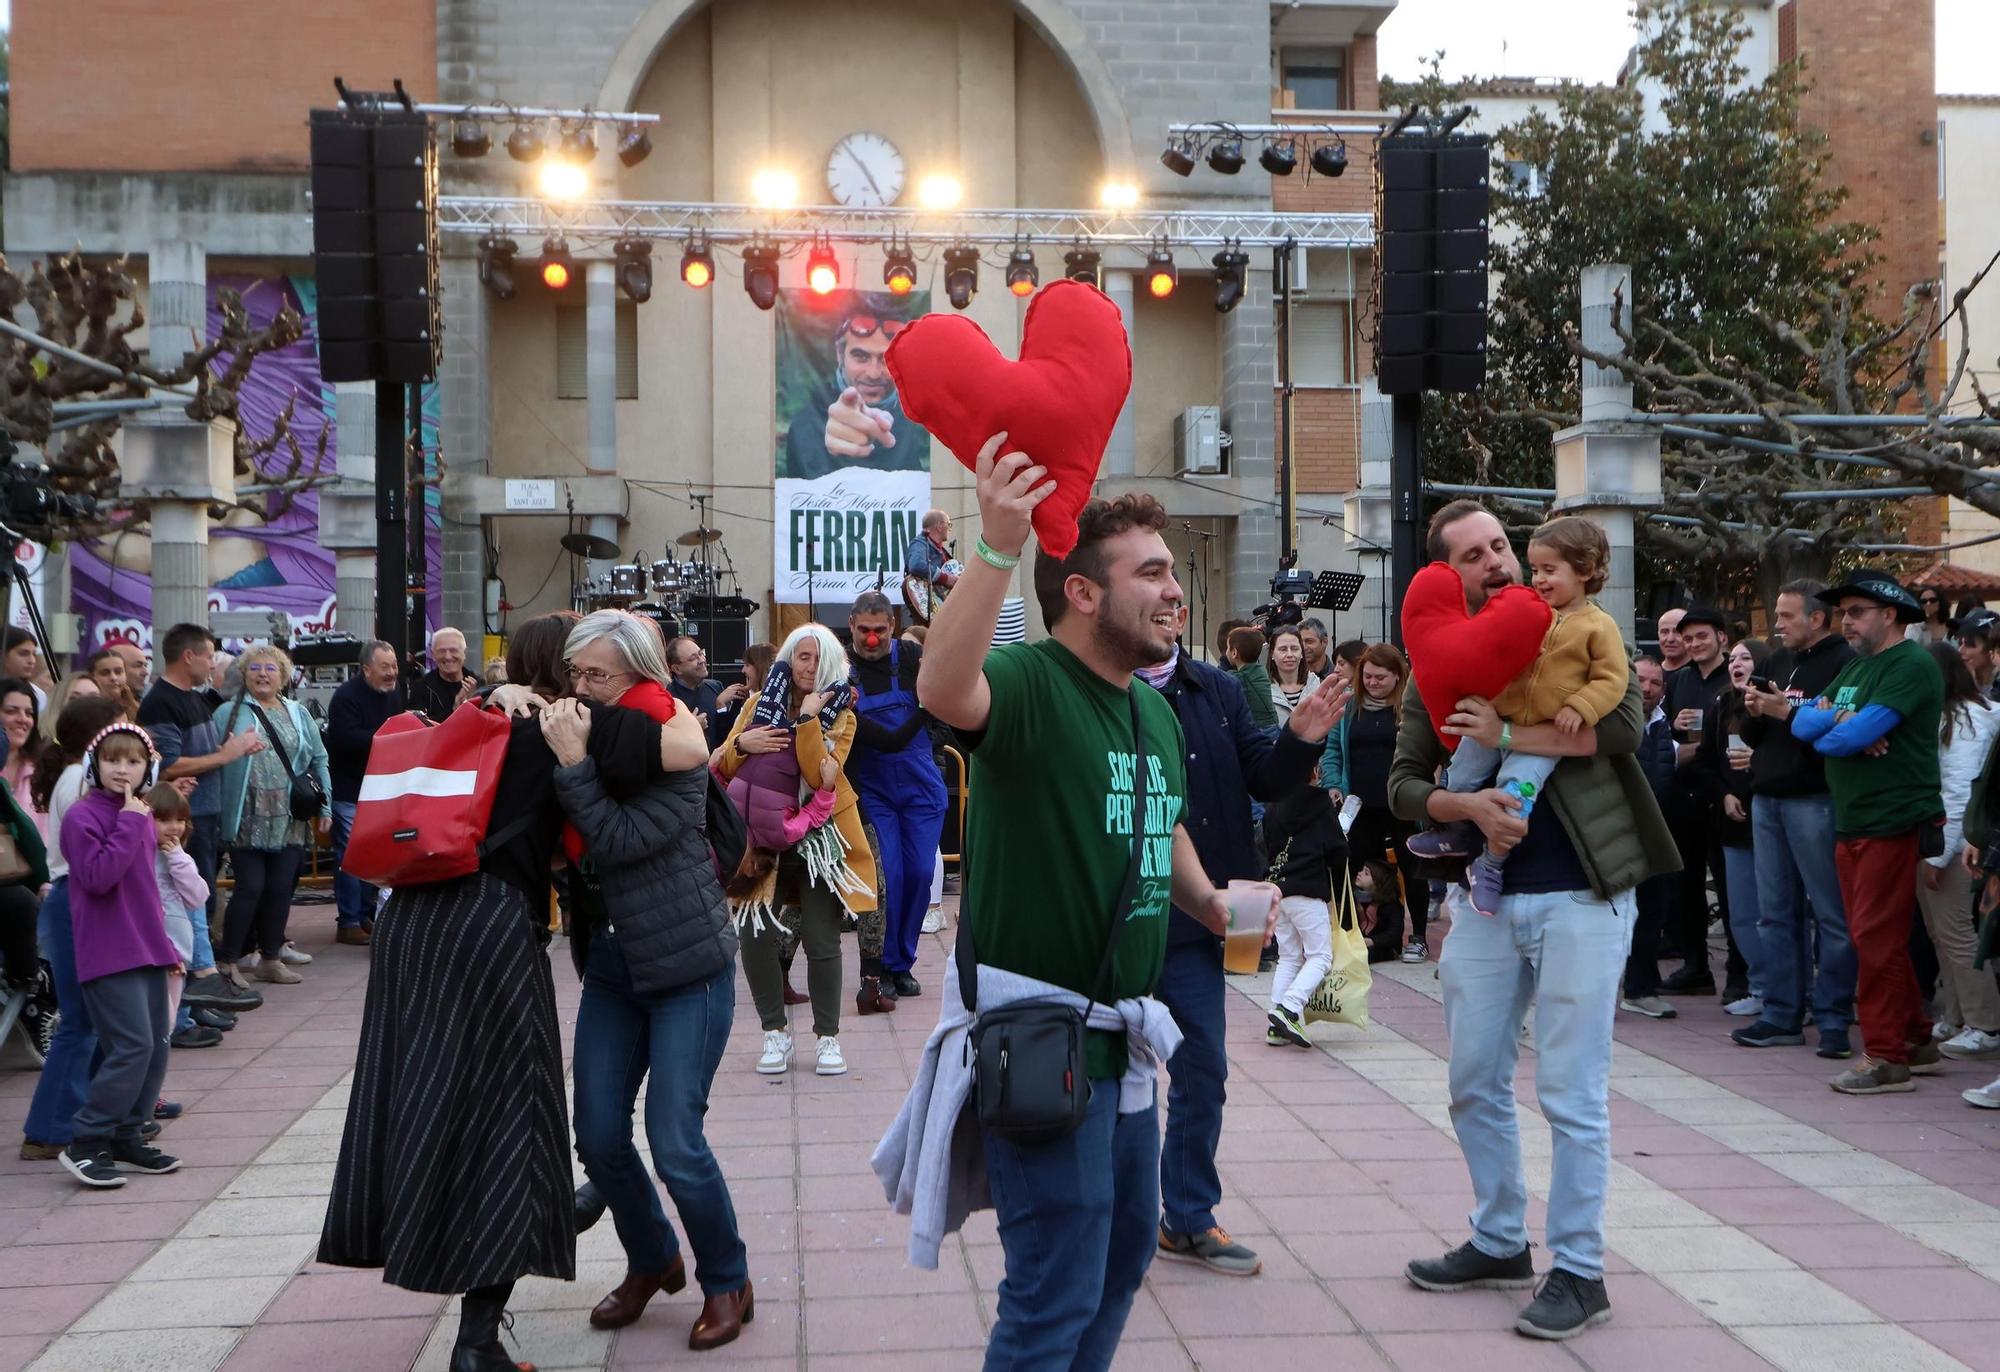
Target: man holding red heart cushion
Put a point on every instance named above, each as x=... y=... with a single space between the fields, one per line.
x=1559 y=934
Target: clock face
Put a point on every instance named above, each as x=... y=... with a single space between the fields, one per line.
x=865 y=171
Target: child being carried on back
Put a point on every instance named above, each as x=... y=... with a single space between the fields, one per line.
x=1579 y=678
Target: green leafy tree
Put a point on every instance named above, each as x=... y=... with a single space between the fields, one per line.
x=1703 y=180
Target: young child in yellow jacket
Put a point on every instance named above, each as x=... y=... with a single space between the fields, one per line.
x=1579 y=678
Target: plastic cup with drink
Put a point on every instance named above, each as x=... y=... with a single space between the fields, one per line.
x=1249 y=909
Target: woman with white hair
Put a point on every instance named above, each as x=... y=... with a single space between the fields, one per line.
x=807 y=709
x=271 y=801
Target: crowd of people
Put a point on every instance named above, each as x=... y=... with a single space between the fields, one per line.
x=1827 y=797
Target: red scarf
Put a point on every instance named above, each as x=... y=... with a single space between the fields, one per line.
x=649 y=698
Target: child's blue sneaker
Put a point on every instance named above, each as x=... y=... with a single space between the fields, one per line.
x=1482 y=878
x=1458 y=839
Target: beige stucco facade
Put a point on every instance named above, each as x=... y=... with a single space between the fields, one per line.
x=1969 y=149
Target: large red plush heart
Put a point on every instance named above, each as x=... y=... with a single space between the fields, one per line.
x=1453 y=654
x=1057 y=404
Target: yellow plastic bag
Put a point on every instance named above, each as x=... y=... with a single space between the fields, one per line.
x=1343 y=997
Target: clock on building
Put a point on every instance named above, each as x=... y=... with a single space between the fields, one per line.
x=865 y=171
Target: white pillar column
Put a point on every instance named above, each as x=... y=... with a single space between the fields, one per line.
x=1608 y=469
x=347 y=509
x=600 y=364
x=1121 y=453
x=177 y=324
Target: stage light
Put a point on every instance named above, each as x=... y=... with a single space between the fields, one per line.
x=697 y=263
x=822 y=272
x=1118 y=195
x=634 y=144
x=1022 y=277
x=560 y=180
x=1179 y=157
x=525 y=143
x=1279 y=159
x=961 y=275
x=557 y=265
x=496 y=265
x=635 y=268
x=1161 y=276
x=1230 y=265
x=760 y=275
x=939 y=192
x=1081 y=264
x=1329 y=159
x=580 y=144
x=469 y=138
x=774 y=188
x=899 y=272
x=1226 y=156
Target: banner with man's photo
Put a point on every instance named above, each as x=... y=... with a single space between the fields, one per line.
x=853 y=472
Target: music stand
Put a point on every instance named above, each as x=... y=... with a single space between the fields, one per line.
x=1334 y=591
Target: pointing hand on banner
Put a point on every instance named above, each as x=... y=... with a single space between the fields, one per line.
x=854 y=429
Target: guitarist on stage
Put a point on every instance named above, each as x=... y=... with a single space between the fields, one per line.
x=925 y=579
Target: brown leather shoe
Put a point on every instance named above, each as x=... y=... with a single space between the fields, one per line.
x=794 y=997
x=628 y=1302
x=352 y=934
x=870 y=1000
x=723 y=1316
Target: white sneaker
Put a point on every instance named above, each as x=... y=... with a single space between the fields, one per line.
x=934 y=919
x=1945 y=1029
x=293 y=955
x=831 y=1063
x=1749 y=1005
x=777 y=1057
x=1986 y=1097
x=1975 y=1044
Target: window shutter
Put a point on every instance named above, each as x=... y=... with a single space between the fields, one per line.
x=572 y=372
x=1319 y=344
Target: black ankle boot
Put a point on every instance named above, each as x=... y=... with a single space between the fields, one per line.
x=478 y=1348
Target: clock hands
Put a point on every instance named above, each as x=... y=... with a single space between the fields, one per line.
x=862 y=167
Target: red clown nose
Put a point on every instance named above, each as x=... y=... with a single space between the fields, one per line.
x=873 y=639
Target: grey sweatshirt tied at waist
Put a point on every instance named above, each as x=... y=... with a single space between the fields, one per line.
x=932 y=1162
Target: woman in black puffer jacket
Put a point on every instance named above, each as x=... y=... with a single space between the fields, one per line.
x=659 y=995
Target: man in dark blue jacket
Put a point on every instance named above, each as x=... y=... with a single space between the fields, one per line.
x=1655 y=896
x=1229 y=761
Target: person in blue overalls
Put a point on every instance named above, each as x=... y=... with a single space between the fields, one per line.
x=901 y=789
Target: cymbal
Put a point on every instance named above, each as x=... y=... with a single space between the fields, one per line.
x=694 y=538
x=589 y=545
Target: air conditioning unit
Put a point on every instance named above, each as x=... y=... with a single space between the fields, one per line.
x=1198 y=441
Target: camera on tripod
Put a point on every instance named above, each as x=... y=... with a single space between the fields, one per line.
x=1288 y=583
x=32 y=503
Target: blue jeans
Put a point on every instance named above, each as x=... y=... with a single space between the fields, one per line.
x=1076 y=1225
x=353 y=898
x=1564 y=951
x=1798 y=900
x=679 y=1037
x=66 y=1075
x=1191 y=988
x=1739 y=868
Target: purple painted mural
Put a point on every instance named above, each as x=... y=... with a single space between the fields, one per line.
x=256 y=564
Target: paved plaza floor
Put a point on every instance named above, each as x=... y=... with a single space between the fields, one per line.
x=1756 y=1218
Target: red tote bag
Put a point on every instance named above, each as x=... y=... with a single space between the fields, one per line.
x=426 y=797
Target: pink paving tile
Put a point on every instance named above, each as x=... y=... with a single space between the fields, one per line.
x=1393 y=1306
x=1151 y=1355
x=1976 y=1343
x=1297 y=1144
x=92 y=1219
x=347 y=1296
x=1684 y=1169
x=383 y=1343
x=14 y=1223
x=1616 y=1348
x=1334 y=1121
x=1639 y=1302
x=111 y=1261
x=202 y=1125
x=849 y=1230
x=46 y=1186
x=864 y=1324
x=1261 y=1179
x=852 y=1192
x=1853 y=1245
x=18 y=1350
x=1250 y=1353
x=1915 y=1293
x=1212 y=1309
x=1888 y=1137
x=1655 y=1140
x=1334 y=1258
x=49 y=1309
x=1780 y=1204
x=1495 y=1350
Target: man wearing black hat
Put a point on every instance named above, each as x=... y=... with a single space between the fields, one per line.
x=1691 y=695
x=1877 y=728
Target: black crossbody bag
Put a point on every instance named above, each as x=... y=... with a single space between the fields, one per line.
x=1028 y=1080
x=307 y=798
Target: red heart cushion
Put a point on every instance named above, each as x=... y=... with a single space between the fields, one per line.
x=1057 y=404
x=1453 y=654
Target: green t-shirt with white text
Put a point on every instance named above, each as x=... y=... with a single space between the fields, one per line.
x=1049 y=828
x=1894 y=793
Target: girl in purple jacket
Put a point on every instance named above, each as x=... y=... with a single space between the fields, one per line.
x=123 y=956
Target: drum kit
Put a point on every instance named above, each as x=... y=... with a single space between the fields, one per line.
x=684 y=596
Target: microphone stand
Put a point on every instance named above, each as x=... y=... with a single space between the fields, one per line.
x=1198 y=574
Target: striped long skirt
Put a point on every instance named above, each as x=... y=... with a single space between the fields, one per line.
x=454 y=1168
